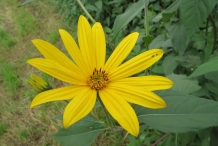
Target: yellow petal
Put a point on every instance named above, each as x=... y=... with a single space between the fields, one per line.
x=52 y=53
x=121 y=51
x=136 y=64
x=137 y=96
x=79 y=107
x=120 y=110
x=64 y=93
x=99 y=45
x=56 y=70
x=147 y=83
x=85 y=42
x=73 y=49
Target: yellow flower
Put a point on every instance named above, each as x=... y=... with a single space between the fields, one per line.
x=90 y=75
x=38 y=83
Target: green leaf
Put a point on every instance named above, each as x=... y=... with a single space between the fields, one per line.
x=212 y=87
x=157 y=69
x=184 y=113
x=203 y=92
x=157 y=42
x=166 y=16
x=213 y=137
x=98 y=4
x=184 y=84
x=209 y=66
x=123 y=19
x=178 y=37
x=169 y=64
x=194 y=12
x=91 y=8
x=208 y=50
x=212 y=76
x=82 y=133
x=148 y=39
x=188 y=61
x=173 y=7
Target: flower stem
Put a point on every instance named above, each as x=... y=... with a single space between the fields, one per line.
x=84 y=9
x=93 y=20
x=146 y=17
x=106 y=113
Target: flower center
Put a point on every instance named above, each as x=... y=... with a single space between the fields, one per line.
x=98 y=80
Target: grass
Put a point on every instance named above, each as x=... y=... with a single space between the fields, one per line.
x=9 y=77
x=20 y=125
x=6 y=39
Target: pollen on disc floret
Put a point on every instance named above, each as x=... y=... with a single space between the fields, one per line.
x=98 y=80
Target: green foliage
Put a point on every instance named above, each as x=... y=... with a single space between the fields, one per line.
x=184 y=113
x=83 y=132
x=187 y=32
x=182 y=83
x=194 y=12
x=209 y=66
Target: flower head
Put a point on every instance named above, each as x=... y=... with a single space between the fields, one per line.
x=38 y=83
x=90 y=75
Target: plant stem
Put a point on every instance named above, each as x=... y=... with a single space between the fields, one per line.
x=106 y=113
x=159 y=140
x=176 y=140
x=215 y=33
x=93 y=20
x=146 y=17
x=84 y=9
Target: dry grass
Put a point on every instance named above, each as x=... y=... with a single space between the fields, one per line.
x=19 y=125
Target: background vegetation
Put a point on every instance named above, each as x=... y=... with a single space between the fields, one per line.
x=186 y=31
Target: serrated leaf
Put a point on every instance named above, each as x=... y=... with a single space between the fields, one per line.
x=123 y=19
x=209 y=66
x=178 y=37
x=184 y=84
x=82 y=133
x=194 y=12
x=169 y=64
x=184 y=113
